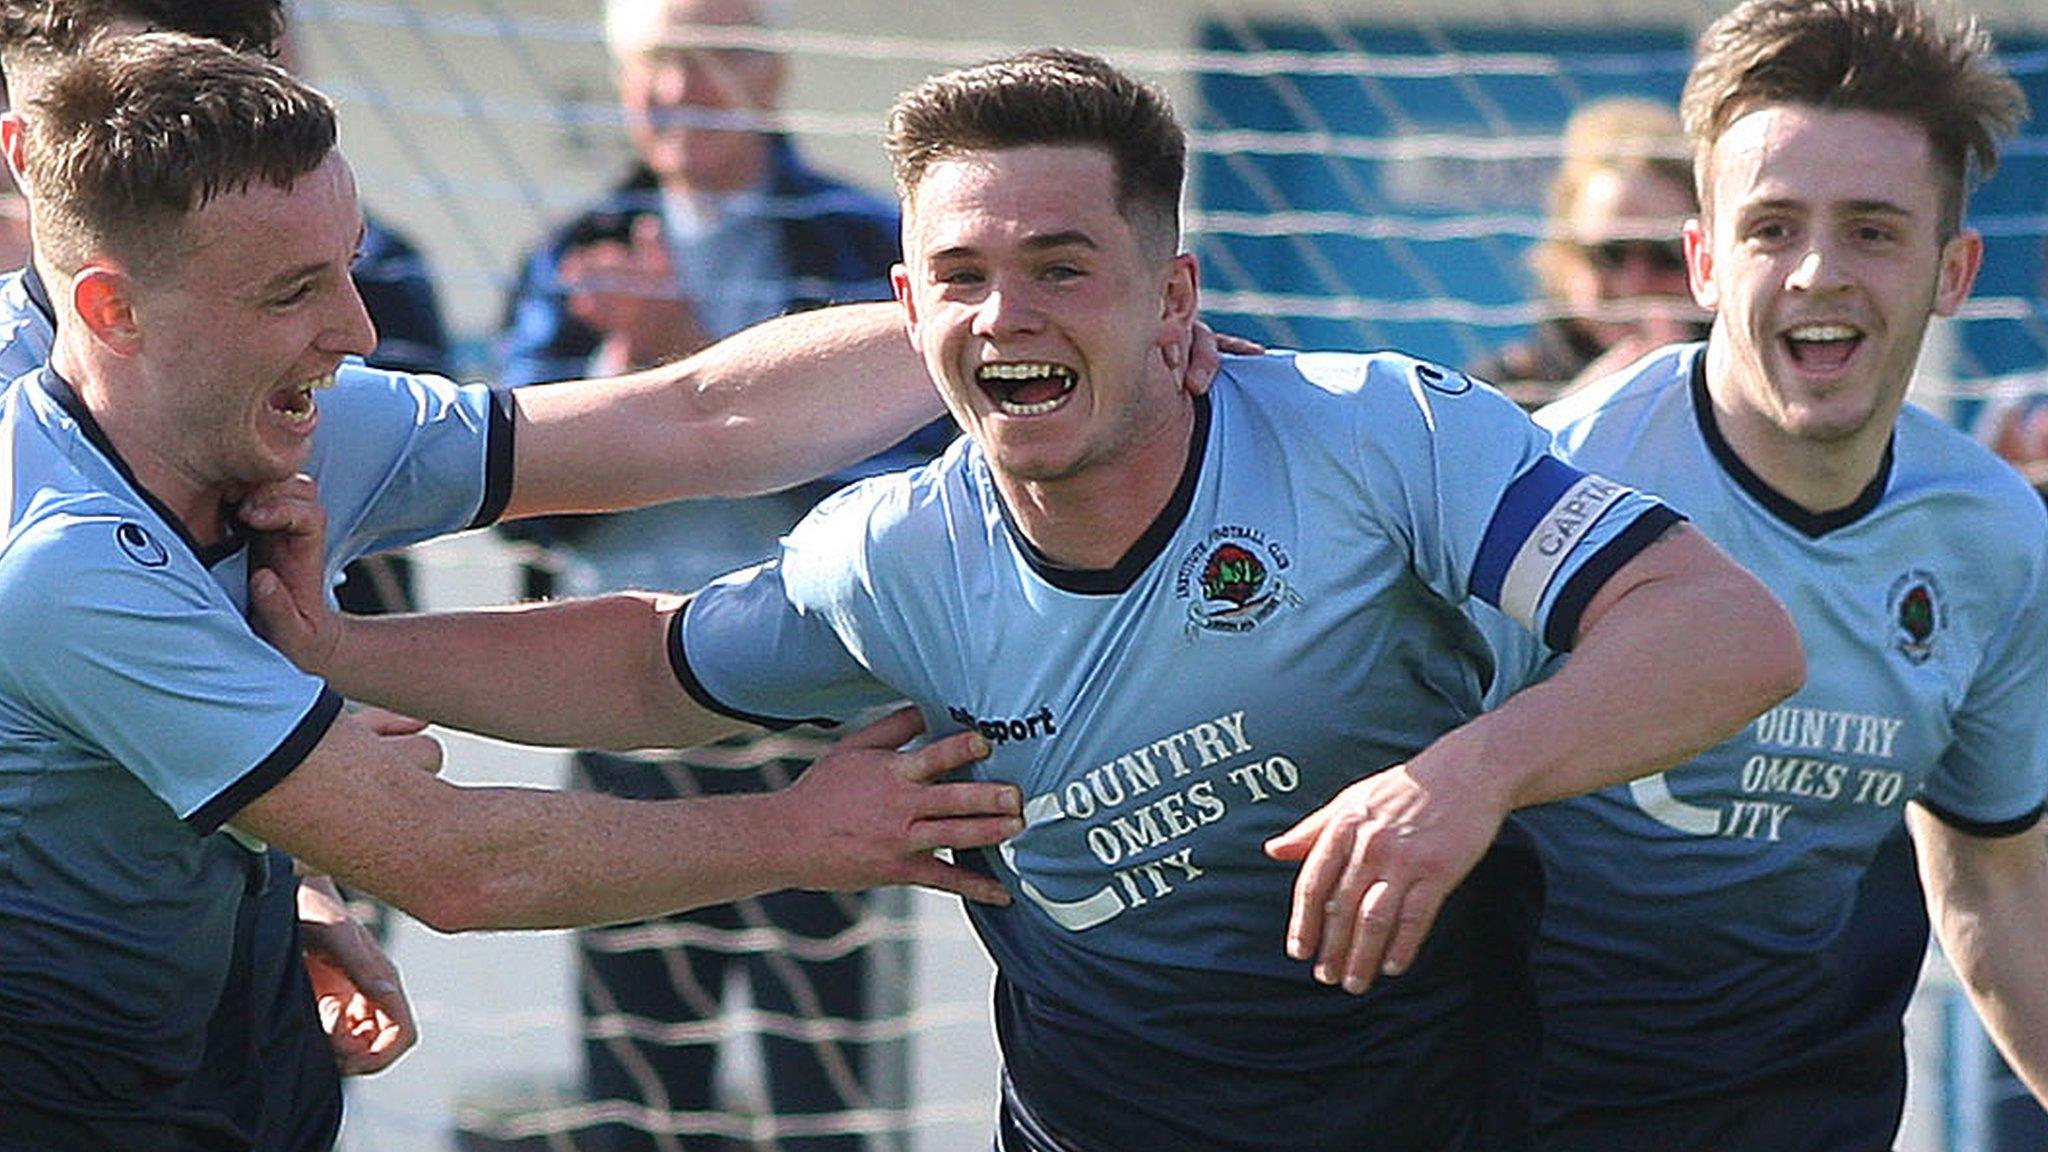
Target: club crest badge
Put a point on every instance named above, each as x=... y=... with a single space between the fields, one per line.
x=1918 y=612
x=1234 y=580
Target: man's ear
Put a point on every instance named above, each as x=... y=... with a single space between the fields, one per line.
x=13 y=143
x=1961 y=258
x=1178 y=300
x=1699 y=264
x=899 y=279
x=104 y=298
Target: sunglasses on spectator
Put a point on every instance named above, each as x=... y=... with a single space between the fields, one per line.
x=1614 y=255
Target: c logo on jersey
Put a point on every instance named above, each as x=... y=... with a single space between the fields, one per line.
x=1918 y=611
x=1443 y=380
x=1231 y=581
x=140 y=546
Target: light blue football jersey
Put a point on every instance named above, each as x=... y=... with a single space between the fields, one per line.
x=1688 y=940
x=1288 y=625
x=139 y=712
x=26 y=331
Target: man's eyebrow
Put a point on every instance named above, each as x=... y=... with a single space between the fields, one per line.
x=1846 y=207
x=1073 y=237
x=1037 y=242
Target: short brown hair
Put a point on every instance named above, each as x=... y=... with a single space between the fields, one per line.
x=140 y=131
x=60 y=28
x=1893 y=57
x=1050 y=96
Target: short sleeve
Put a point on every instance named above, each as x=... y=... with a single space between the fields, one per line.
x=1489 y=511
x=786 y=640
x=123 y=643
x=1993 y=776
x=403 y=458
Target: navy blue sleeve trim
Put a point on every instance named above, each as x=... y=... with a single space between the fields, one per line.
x=1563 y=629
x=1985 y=829
x=679 y=663
x=498 y=458
x=310 y=730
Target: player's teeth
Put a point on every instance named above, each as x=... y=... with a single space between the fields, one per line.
x=1823 y=332
x=1015 y=409
x=1020 y=371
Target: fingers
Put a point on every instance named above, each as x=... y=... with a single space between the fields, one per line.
x=1294 y=843
x=963 y=832
x=275 y=612
x=969 y=799
x=405 y=737
x=290 y=506
x=365 y=1039
x=650 y=250
x=1417 y=916
x=892 y=731
x=1200 y=359
x=932 y=872
x=1314 y=897
x=935 y=760
x=362 y=1003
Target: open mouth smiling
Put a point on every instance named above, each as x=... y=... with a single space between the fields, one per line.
x=1026 y=388
x=295 y=403
x=1822 y=347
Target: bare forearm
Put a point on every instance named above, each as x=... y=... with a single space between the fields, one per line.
x=372 y=810
x=582 y=673
x=531 y=859
x=1989 y=904
x=775 y=405
x=1670 y=668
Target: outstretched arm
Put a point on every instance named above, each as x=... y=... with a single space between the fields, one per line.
x=374 y=814
x=778 y=404
x=1677 y=651
x=573 y=673
x=1988 y=899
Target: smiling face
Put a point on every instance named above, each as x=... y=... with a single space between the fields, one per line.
x=1041 y=313
x=1822 y=257
x=253 y=312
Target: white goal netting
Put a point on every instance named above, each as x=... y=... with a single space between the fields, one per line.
x=1366 y=174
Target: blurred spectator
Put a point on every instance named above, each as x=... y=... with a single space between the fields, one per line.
x=1612 y=269
x=2018 y=431
x=719 y=225
x=2016 y=426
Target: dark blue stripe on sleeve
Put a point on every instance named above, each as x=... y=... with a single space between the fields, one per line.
x=289 y=754
x=497 y=458
x=1563 y=629
x=1528 y=499
x=1985 y=829
x=679 y=663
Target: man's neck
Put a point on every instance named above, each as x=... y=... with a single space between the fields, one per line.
x=199 y=507
x=1091 y=520
x=1818 y=476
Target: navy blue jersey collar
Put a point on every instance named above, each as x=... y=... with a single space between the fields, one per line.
x=39 y=293
x=1812 y=524
x=1120 y=576
x=60 y=390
